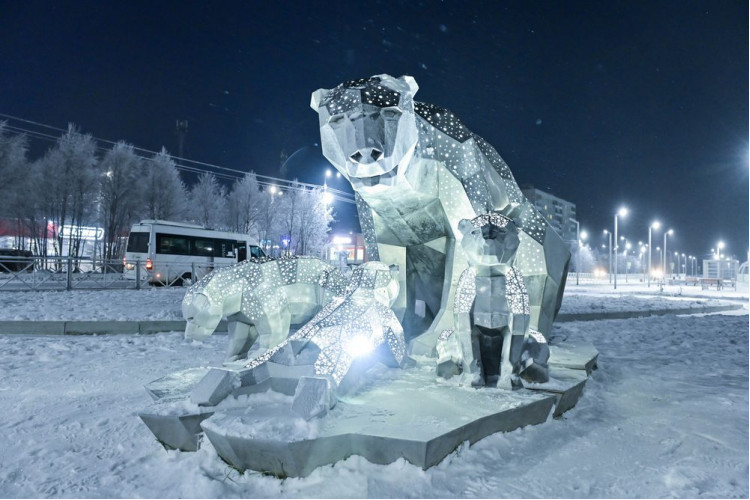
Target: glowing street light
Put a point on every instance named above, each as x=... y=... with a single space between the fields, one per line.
x=582 y=235
x=578 y=248
x=625 y=255
x=664 y=254
x=654 y=225
x=693 y=264
x=610 y=253
x=621 y=213
x=719 y=248
x=684 y=265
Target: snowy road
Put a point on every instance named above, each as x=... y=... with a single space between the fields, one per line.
x=666 y=415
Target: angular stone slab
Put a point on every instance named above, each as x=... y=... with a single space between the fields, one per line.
x=576 y=356
x=175 y=430
x=176 y=385
x=567 y=384
x=409 y=415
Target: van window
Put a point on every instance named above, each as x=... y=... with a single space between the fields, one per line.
x=203 y=247
x=225 y=248
x=138 y=242
x=256 y=251
x=172 y=245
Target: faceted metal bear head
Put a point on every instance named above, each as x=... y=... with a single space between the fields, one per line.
x=368 y=128
x=375 y=279
x=489 y=240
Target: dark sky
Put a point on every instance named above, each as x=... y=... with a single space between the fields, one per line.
x=600 y=103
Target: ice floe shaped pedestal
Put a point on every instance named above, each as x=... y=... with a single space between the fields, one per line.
x=408 y=413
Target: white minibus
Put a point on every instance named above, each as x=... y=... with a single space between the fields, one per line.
x=176 y=253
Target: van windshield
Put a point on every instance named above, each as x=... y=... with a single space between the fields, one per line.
x=138 y=242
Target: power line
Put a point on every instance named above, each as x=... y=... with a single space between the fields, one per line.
x=231 y=174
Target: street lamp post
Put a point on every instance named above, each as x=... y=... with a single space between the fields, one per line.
x=625 y=255
x=654 y=225
x=684 y=266
x=622 y=213
x=719 y=248
x=658 y=249
x=578 y=248
x=610 y=254
x=664 y=253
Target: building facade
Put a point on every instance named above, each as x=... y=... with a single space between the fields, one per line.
x=721 y=268
x=559 y=213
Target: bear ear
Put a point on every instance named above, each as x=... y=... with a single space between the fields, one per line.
x=465 y=226
x=317 y=96
x=411 y=82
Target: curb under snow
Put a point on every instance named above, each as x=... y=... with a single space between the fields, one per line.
x=593 y=316
x=149 y=327
x=94 y=327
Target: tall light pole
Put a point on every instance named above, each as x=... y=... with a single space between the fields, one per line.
x=625 y=256
x=654 y=225
x=622 y=213
x=719 y=248
x=658 y=249
x=664 y=253
x=582 y=237
x=578 y=247
x=610 y=254
x=684 y=266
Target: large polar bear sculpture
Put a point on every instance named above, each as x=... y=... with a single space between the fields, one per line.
x=417 y=171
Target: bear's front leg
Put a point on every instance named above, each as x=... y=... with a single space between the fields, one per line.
x=241 y=337
x=514 y=336
x=455 y=264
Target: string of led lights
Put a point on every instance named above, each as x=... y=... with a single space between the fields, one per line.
x=182 y=164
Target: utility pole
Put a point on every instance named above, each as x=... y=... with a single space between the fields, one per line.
x=181 y=129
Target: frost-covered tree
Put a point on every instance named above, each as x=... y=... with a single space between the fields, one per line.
x=289 y=206
x=120 y=201
x=269 y=227
x=164 y=194
x=68 y=186
x=315 y=218
x=244 y=205
x=208 y=201
x=15 y=181
x=13 y=165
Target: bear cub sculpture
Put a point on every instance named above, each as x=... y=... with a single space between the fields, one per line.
x=491 y=342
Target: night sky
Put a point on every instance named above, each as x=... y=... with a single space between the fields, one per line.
x=601 y=103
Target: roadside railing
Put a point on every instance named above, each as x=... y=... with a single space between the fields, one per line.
x=70 y=273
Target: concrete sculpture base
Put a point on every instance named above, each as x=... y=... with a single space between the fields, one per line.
x=399 y=413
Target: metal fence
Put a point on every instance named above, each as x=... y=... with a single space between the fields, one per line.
x=70 y=273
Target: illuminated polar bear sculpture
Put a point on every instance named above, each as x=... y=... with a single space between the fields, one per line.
x=417 y=171
x=490 y=337
x=260 y=298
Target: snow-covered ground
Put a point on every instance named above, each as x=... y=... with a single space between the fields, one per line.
x=666 y=415
x=164 y=303
x=92 y=305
